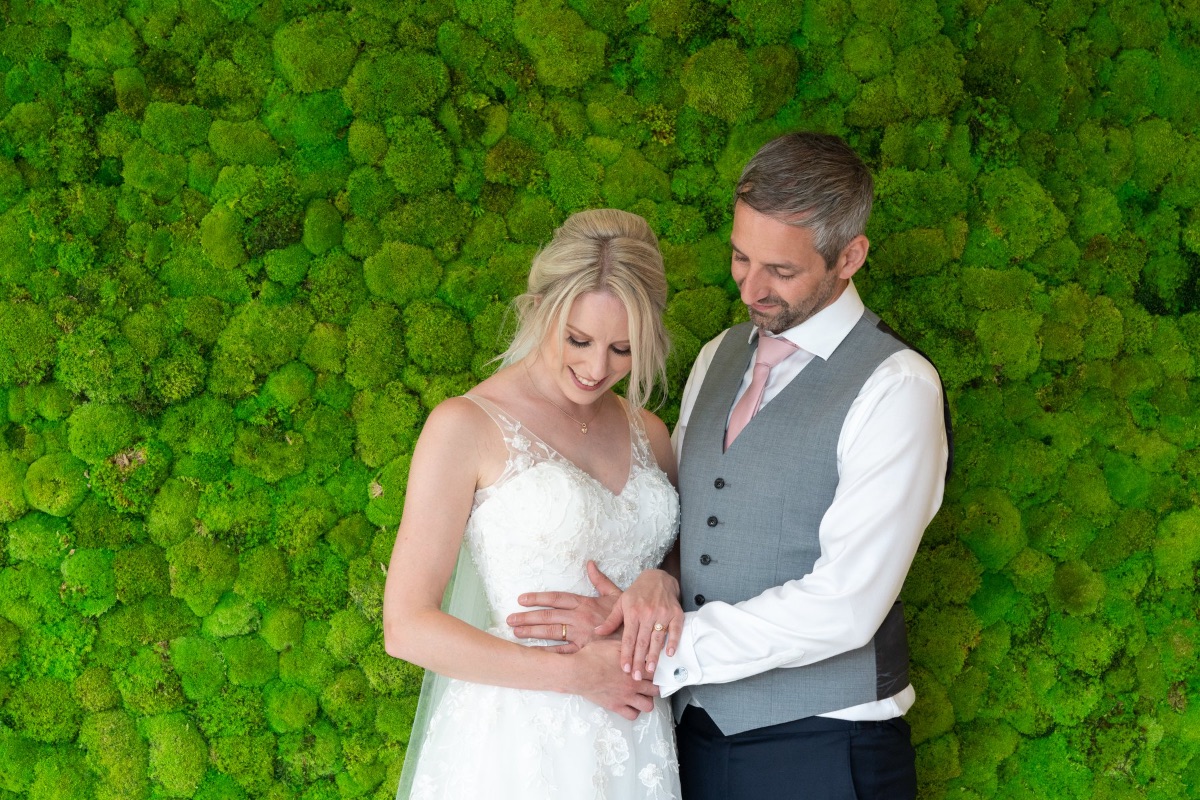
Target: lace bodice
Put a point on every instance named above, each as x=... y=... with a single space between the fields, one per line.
x=537 y=525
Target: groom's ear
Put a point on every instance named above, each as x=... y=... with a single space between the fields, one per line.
x=852 y=257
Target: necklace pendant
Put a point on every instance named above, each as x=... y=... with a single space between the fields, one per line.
x=583 y=427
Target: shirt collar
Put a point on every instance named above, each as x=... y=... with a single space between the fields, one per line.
x=821 y=333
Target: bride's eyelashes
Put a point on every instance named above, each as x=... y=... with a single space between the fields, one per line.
x=571 y=340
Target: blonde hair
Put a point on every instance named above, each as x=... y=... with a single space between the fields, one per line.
x=599 y=250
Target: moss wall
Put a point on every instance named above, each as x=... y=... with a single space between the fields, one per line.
x=245 y=246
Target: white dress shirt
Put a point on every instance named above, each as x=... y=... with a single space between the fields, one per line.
x=891 y=460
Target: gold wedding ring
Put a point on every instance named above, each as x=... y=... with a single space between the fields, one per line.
x=658 y=627
x=564 y=636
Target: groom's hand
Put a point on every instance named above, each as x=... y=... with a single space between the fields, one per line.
x=581 y=615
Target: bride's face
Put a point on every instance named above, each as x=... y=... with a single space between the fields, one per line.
x=594 y=352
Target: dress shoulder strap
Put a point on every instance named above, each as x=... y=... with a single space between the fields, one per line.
x=643 y=454
x=507 y=425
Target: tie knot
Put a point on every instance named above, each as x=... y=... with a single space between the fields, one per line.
x=772 y=350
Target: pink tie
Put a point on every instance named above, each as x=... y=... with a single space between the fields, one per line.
x=770 y=352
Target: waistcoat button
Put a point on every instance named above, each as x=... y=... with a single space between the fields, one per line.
x=719 y=483
x=699 y=599
x=712 y=522
x=706 y=559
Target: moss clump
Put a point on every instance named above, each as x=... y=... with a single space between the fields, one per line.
x=157 y=174
x=116 y=753
x=56 y=484
x=313 y=754
x=12 y=493
x=175 y=128
x=1077 y=589
x=250 y=660
x=397 y=83
x=200 y=665
x=178 y=754
x=172 y=515
x=282 y=628
x=148 y=684
x=349 y=634
x=315 y=52
x=248 y=760
x=325 y=348
x=88 y=581
x=269 y=454
x=942 y=638
x=130 y=479
x=45 y=710
x=1177 y=548
x=992 y=527
x=373 y=355
x=263 y=575
x=418 y=159
x=258 y=339
x=140 y=571
x=386 y=424
x=233 y=616
x=27 y=344
x=40 y=539
x=201 y=571
x=566 y=53
x=97 y=431
x=289 y=708
x=437 y=339
x=61 y=774
x=401 y=272
x=348 y=700
x=322 y=227
x=238 y=507
x=717 y=80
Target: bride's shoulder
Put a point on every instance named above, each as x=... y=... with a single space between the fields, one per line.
x=455 y=419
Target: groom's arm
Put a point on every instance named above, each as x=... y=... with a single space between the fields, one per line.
x=892 y=461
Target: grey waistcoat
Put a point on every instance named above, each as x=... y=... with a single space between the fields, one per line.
x=750 y=519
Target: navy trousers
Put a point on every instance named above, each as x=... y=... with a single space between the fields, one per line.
x=808 y=759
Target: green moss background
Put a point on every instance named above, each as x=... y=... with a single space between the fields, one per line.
x=246 y=246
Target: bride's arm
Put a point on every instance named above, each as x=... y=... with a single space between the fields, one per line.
x=451 y=455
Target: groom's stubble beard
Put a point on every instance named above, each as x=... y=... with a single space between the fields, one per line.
x=789 y=316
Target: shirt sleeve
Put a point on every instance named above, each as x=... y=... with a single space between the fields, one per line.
x=891 y=472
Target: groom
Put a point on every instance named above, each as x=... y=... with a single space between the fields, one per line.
x=813 y=449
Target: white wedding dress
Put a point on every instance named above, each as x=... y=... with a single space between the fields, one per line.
x=533 y=530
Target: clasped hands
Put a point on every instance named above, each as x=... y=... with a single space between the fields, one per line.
x=647 y=617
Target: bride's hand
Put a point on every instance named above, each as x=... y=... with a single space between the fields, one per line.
x=563 y=616
x=598 y=679
x=652 y=616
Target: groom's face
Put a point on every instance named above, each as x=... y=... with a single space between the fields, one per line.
x=782 y=278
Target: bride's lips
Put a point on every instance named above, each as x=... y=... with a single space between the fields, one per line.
x=585 y=387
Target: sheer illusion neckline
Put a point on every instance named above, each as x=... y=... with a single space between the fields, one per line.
x=517 y=426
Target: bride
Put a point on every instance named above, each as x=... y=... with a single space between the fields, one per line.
x=513 y=487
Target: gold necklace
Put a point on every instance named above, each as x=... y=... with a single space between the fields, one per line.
x=583 y=426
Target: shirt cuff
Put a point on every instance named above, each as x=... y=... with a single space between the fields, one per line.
x=672 y=673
